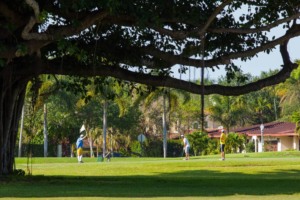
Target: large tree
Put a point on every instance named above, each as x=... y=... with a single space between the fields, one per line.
x=130 y=39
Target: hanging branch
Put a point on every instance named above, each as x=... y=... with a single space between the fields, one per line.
x=202 y=82
x=213 y=16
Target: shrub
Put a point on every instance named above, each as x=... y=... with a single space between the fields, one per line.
x=198 y=142
x=174 y=148
x=153 y=148
x=19 y=172
x=136 y=148
x=250 y=147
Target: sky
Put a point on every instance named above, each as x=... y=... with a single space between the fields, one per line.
x=261 y=63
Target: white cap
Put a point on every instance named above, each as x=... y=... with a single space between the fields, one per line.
x=81 y=135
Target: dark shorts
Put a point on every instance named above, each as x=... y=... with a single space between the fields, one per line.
x=222 y=147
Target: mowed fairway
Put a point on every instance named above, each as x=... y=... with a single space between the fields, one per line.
x=241 y=176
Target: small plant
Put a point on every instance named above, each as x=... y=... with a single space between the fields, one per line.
x=19 y=172
x=250 y=147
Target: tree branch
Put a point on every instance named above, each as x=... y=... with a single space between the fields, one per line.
x=55 y=67
x=213 y=16
x=181 y=35
x=181 y=60
x=58 y=32
x=35 y=6
x=174 y=59
x=254 y=30
x=11 y=16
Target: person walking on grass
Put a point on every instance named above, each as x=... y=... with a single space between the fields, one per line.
x=222 y=144
x=79 y=146
x=186 y=147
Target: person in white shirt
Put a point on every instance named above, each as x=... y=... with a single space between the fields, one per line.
x=186 y=147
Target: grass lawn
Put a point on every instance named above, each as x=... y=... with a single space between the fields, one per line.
x=256 y=176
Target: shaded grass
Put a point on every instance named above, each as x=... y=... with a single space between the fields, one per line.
x=259 y=176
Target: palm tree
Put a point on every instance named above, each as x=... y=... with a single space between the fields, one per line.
x=45 y=132
x=44 y=89
x=290 y=97
x=162 y=94
x=261 y=104
x=103 y=91
x=234 y=142
x=289 y=94
x=296 y=118
x=154 y=96
x=21 y=132
x=222 y=110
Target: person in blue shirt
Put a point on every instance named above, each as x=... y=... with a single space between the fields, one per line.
x=79 y=146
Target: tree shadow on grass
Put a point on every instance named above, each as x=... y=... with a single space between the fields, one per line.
x=198 y=183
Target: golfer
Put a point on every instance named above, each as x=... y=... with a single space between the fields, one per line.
x=222 y=144
x=79 y=146
x=186 y=147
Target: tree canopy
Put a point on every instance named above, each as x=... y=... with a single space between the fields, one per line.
x=135 y=41
x=131 y=39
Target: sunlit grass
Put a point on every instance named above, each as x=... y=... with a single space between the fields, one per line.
x=241 y=176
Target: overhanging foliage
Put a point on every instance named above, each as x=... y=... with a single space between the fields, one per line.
x=129 y=40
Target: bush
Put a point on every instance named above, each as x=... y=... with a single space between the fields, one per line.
x=37 y=150
x=153 y=148
x=234 y=143
x=174 y=148
x=213 y=147
x=136 y=149
x=198 y=142
x=124 y=152
x=19 y=172
x=250 y=147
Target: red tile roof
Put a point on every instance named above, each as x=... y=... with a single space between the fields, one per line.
x=274 y=129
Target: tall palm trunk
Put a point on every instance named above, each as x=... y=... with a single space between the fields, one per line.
x=104 y=126
x=45 y=132
x=164 y=126
x=21 y=132
x=91 y=144
x=202 y=82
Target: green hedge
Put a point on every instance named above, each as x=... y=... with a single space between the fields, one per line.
x=37 y=150
x=154 y=148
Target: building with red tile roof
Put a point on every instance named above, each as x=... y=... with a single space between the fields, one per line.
x=279 y=136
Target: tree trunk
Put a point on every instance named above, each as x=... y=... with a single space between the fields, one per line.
x=104 y=127
x=91 y=144
x=45 y=132
x=13 y=90
x=164 y=126
x=21 y=132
